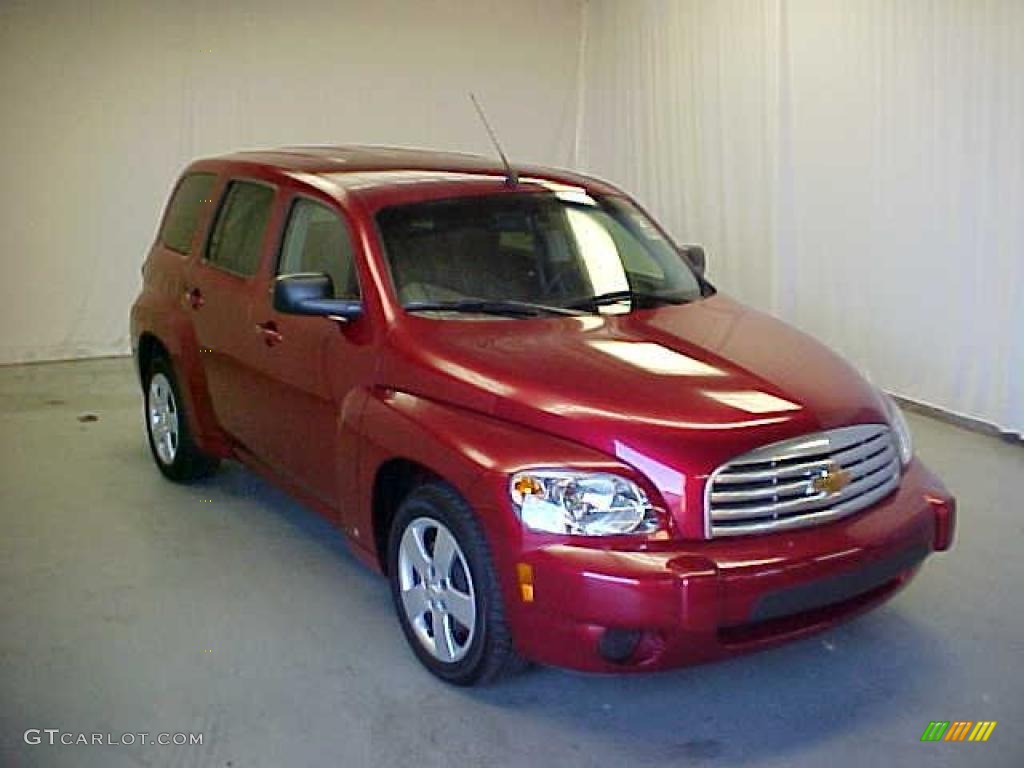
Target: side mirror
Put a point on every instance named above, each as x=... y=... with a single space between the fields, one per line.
x=696 y=257
x=310 y=293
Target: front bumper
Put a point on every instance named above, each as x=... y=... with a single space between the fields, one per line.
x=699 y=601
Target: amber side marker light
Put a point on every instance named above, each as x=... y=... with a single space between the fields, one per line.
x=524 y=573
x=945 y=520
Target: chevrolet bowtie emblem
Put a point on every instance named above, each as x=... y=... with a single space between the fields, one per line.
x=833 y=480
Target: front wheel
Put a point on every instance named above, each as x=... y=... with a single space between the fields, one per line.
x=445 y=589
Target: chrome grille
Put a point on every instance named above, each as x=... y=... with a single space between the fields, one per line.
x=785 y=485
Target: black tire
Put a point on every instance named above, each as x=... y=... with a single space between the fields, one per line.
x=188 y=463
x=490 y=654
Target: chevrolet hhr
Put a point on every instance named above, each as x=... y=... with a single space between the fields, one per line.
x=526 y=406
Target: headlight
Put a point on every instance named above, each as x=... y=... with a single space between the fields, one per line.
x=900 y=428
x=581 y=503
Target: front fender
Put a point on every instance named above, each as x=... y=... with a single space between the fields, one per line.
x=472 y=452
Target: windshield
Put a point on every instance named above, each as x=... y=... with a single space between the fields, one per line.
x=532 y=249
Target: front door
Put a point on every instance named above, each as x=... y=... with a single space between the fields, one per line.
x=310 y=365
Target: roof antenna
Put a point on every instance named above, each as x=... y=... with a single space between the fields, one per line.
x=511 y=177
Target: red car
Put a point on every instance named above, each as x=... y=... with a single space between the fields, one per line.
x=526 y=406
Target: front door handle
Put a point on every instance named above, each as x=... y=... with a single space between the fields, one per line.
x=271 y=336
x=194 y=297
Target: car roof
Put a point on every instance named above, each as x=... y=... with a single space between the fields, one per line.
x=364 y=170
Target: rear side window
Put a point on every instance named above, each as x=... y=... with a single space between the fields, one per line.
x=189 y=200
x=241 y=222
x=317 y=240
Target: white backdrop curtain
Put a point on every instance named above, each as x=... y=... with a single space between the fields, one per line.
x=105 y=101
x=853 y=166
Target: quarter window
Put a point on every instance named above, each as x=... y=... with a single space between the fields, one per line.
x=317 y=240
x=188 y=202
x=238 y=234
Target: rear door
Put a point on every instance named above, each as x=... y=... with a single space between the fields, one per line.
x=221 y=287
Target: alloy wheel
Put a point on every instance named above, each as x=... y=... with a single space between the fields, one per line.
x=163 y=418
x=436 y=589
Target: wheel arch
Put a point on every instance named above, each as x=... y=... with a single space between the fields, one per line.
x=393 y=481
x=149 y=348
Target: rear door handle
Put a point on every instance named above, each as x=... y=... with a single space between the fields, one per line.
x=271 y=336
x=194 y=297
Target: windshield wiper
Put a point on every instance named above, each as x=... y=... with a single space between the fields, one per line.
x=490 y=307
x=634 y=297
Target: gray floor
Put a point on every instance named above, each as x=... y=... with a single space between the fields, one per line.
x=132 y=605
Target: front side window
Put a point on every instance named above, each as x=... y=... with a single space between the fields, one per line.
x=241 y=223
x=317 y=240
x=547 y=249
x=191 y=197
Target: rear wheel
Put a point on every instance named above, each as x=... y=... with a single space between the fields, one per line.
x=445 y=589
x=170 y=441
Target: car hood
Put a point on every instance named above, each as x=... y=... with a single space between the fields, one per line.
x=678 y=387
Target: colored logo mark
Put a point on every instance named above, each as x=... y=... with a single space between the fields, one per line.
x=958 y=730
